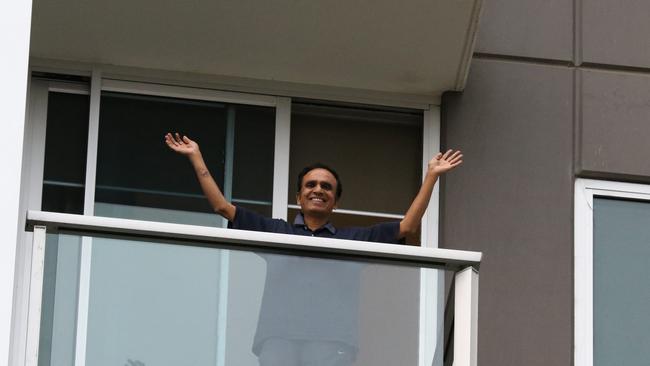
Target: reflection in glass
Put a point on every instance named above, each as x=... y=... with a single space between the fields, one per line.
x=145 y=308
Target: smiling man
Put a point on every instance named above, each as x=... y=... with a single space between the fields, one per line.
x=309 y=308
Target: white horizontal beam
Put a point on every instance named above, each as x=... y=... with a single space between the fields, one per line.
x=252 y=240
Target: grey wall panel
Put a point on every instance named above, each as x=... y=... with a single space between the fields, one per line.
x=616 y=32
x=615 y=125
x=512 y=200
x=533 y=28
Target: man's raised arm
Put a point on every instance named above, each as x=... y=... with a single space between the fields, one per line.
x=189 y=148
x=438 y=165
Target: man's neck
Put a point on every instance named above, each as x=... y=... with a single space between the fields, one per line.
x=315 y=222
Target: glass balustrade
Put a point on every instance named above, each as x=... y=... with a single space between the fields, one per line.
x=190 y=303
x=112 y=291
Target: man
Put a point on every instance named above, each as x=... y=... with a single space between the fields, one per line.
x=324 y=294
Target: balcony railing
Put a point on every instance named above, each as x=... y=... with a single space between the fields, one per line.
x=107 y=291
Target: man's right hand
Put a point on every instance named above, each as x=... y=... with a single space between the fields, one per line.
x=182 y=145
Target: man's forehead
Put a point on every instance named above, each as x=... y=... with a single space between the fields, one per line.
x=319 y=174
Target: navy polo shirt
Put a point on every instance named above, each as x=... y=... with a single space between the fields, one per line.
x=309 y=299
x=249 y=220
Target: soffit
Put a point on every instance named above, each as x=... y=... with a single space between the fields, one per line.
x=414 y=47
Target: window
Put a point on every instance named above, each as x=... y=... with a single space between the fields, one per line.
x=612 y=265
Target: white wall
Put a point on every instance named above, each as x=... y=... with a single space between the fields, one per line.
x=15 y=20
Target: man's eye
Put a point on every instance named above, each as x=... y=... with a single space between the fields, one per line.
x=326 y=186
x=310 y=184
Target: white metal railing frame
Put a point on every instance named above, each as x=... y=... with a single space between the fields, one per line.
x=465 y=264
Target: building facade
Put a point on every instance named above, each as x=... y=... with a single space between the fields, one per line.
x=556 y=112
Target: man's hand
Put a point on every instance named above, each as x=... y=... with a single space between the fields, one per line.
x=183 y=146
x=189 y=148
x=438 y=165
x=442 y=163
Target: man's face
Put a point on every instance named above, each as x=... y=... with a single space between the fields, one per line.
x=317 y=196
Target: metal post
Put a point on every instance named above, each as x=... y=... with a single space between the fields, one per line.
x=35 y=296
x=466 y=317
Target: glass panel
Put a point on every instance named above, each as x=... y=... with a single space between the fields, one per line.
x=254 y=150
x=377 y=153
x=202 y=310
x=135 y=167
x=146 y=307
x=139 y=177
x=621 y=287
x=59 y=309
x=66 y=143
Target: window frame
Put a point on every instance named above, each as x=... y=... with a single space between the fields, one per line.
x=584 y=193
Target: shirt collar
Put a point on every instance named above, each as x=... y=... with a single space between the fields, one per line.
x=300 y=221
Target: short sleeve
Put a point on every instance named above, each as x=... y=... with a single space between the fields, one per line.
x=249 y=220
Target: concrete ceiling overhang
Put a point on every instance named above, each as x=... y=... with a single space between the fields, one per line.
x=417 y=47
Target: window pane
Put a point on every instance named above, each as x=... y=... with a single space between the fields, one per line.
x=139 y=177
x=135 y=167
x=621 y=287
x=66 y=144
x=378 y=154
x=254 y=148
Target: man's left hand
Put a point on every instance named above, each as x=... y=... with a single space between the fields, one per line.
x=442 y=163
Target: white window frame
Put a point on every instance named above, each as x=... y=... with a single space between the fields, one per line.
x=584 y=193
x=431 y=284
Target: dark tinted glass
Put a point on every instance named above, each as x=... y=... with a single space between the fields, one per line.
x=136 y=168
x=254 y=145
x=66 y=144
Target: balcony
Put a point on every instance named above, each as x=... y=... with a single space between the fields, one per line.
x=107 y=291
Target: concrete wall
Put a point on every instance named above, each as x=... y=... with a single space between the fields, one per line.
x=557 y=89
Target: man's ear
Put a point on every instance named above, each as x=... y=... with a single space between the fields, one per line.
x=298 y=198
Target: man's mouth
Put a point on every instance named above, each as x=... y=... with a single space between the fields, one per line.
x=317 y=199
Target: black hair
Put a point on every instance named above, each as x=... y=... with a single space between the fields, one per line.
x=309 y=168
